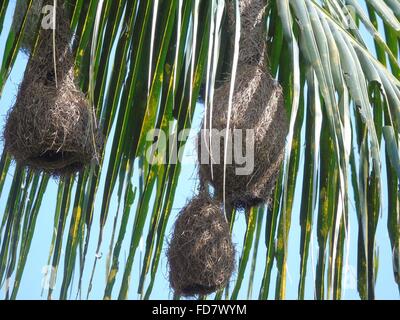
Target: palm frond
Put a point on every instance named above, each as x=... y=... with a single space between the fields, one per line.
x=143 y=65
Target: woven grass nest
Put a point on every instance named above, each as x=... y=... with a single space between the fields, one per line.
x=201 y=254
x=257 y=105
x=52 y=128
x=252 y=37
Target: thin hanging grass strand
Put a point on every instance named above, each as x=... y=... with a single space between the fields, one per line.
x=209 y=81
x=217 y=41
x=232 y=89
x=54 y=41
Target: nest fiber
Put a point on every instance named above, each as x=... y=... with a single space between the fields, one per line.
x=252 y=38
x=51 y=127
x=258 y=106
x=201 y=253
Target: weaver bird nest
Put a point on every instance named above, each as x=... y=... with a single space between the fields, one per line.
x=257 y=106
x=252 y=38
x=201 y=253
x=51 y=127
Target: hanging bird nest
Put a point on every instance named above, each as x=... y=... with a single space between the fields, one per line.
x=32 y=21
x=257 y=105
x=201 y=253
x=51 y=127
x=252 y=36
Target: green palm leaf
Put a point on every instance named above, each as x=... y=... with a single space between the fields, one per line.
x=143 y=65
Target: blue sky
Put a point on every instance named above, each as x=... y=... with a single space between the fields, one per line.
x=33 y=279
